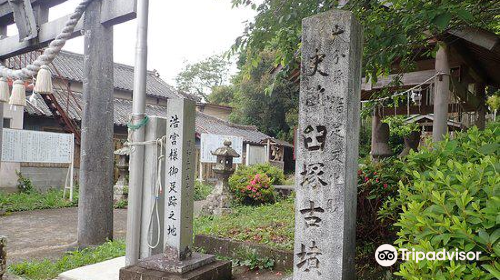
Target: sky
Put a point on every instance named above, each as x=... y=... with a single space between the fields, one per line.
x=179 y=31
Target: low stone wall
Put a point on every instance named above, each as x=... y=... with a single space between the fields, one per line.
x=44 y=178
x=233 y=249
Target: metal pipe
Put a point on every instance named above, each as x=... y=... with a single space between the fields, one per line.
x=137 y=152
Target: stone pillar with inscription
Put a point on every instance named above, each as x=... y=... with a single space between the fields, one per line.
x=327 y=147
x=178 y=261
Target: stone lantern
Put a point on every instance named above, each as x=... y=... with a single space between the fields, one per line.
x=219 y=201
x=120 y=189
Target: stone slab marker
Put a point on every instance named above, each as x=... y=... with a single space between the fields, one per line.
x=179 y=173
x=327 y=150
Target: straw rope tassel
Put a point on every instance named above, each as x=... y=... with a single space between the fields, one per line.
x=43 y=83
x=18 y=97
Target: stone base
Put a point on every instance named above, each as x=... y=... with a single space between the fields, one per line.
x=160 y=263
x=218 y=270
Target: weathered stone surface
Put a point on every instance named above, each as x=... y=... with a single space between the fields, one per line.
x=161 y=263
x=219 y=201
x=327 y=149
x=179 y=173
x=3 y=256
x=95 y=205
x=412 y=142
x=219 y=270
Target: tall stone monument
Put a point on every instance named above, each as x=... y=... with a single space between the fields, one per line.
x=327 y=147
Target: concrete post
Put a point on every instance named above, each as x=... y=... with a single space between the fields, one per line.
x=441 y=94
x=153 y=206
x=1 y=132
x=95 y=207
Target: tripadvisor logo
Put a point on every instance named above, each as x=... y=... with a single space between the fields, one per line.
x=387 y=255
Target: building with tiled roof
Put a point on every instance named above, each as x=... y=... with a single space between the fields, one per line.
x=68 y=87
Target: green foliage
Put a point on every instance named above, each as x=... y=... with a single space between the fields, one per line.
x=377 y=182
x=270 y=224
x=254 y=184
x=268 y=102
x=494 y=101
x=392 y=29
x=121 y=204
x=222 y=95
x=49 y=269
x=201 y=191
x=200 y=78
x=255 y=190
x=252 y=260
x=275 y=174
x=452 y=200
x=399 y=129
x=24 y=185
x=35 y=200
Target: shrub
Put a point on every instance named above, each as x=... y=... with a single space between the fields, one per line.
x=398 y=129
x=24 y=185
x=377 y=182
x=248 y=188
x=256 y=191
x=276 y=175
x=452 y=200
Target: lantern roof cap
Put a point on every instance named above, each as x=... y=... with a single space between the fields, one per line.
x=226 y=151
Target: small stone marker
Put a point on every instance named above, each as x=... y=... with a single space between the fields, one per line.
x=327 y=150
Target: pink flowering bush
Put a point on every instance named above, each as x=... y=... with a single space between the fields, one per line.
x=256 y=189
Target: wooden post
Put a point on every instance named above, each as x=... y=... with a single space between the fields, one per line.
x=480 y=93
x=441 y=94
x=95 y=207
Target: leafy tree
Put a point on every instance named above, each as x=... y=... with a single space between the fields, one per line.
x=265 y=101
x=393 y=29
x=222 y=95
x=201 y=77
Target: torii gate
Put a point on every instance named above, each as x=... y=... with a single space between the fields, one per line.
x=95 y=213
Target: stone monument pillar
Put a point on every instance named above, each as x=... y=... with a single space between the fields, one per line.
x=327 y=149
x=178 y=261
x=219 y=201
